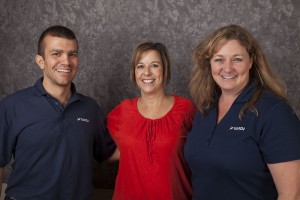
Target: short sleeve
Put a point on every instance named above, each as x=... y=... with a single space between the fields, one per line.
x=280 y=135
x=190 y=113
x=104 y=146
x=113 y=121
x=116 y=119
x=7 y=140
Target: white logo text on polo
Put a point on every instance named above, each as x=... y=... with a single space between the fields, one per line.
x=83 y=119
x=236 y=128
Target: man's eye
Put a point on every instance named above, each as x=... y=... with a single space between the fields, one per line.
x=73 y=54
x=56 y=54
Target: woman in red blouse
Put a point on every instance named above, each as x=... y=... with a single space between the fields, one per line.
x=150 y=131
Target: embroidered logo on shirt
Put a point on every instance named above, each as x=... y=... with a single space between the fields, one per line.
x=237 y=128
x=83 y=119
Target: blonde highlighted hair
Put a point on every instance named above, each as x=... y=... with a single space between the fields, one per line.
x=204 y=89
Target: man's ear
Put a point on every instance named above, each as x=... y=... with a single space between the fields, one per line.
x=40 y=61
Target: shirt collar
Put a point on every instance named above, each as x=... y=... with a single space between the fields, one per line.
x=246 y=94
x=42 y=92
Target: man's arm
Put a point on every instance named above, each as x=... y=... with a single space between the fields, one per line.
x=1 y=179
x=115 y=156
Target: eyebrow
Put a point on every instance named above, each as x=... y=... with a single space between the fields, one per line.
x=231 y=56
x=151 y=62
x=56 y=50
x=61 y=51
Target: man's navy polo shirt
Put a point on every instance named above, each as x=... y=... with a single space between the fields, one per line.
x=52 y=146
x=228 y=159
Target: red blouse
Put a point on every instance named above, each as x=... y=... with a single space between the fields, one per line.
x=152 y=166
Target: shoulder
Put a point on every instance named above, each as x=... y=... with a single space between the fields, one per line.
x=276 y=111
x=184 y=107
x=183 y=102
x=18 y=96
x=125 y=106
x=128 y=103
x=269 y=101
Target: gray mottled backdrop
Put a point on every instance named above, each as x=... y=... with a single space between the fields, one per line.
x=108 y=30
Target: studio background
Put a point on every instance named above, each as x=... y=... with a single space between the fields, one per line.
x=108 y=31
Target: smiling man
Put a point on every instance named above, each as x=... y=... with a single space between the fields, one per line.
x=51 y=131
x=58 y=59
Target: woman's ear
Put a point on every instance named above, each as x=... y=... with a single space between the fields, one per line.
x=39 y=61
x=251 y=61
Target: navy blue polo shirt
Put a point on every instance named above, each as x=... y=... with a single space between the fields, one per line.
x=228 y=159
x=52 y=146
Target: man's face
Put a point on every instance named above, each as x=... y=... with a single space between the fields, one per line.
x=59 y=62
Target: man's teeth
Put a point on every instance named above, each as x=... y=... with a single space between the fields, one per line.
x=148 y=81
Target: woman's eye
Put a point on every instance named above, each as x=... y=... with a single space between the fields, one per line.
x=237 y=59
x=218 y=59
x=139 y=66
x=155 y=65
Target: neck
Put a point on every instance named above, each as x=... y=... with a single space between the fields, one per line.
x=153 y=100
x=154 y=107
x=228 y=97
x=62 y=94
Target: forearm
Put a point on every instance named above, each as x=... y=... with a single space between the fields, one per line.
x=286 y=176
x=115 y=156
x=288 y=196
x=1 y=179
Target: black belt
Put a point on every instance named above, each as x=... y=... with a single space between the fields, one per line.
x=9 y=198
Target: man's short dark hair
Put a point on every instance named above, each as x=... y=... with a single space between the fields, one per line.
x=55 y=31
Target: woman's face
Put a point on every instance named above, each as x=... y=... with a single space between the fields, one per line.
x=230 y=67
x=149 y=72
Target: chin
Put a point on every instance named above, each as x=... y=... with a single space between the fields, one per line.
x=64 y=83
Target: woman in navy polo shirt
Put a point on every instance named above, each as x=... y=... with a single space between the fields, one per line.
x=245 y=140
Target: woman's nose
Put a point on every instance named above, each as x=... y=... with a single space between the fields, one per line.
x=227 y=66
x=147 y=70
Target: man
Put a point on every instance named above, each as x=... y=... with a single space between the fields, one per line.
x=51 y=131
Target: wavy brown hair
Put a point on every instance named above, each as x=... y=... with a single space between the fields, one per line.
x=204 y=89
